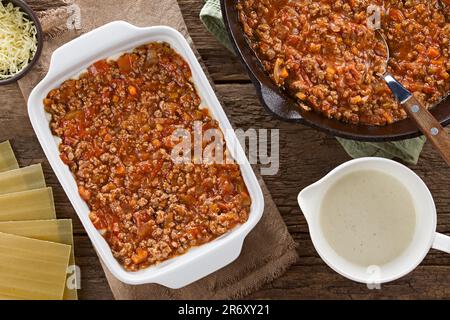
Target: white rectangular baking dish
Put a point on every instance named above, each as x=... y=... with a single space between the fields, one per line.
x=111 y=40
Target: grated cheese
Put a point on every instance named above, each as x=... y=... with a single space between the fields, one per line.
x=18 y=42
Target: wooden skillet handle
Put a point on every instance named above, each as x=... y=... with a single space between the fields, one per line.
x=430 y=127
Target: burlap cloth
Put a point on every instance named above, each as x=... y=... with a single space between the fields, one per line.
x=268 y=250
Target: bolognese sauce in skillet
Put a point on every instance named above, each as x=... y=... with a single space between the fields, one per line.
x=326 y=55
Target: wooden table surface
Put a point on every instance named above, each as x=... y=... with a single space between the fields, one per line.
x=306 y=155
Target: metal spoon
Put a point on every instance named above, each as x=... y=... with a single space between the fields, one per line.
x=426 y=122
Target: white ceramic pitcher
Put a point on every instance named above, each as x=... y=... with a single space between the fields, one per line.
x=425 y=236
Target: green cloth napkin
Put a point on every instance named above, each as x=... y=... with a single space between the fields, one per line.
x=407 y=150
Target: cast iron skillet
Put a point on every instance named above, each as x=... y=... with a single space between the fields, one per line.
x=285 y=108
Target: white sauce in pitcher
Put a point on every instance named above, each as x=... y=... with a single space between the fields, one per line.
x=368 y=217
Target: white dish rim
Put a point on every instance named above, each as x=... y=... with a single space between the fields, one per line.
x=66 y=63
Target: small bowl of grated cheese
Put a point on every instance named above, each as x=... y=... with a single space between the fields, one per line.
x=20 y=40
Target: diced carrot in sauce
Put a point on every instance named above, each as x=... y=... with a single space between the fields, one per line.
x=48 y=102
x=433 y=53
x=284 y=73
x=156 y=143
x=225 y=185
x=145 y=230
x=120 y=170
x=125 y=63
x=396 y=15
x=429 y=90
x=301 y=96
x=132 y=90
x=84 y=193
x=140 y=256
x=245 y=198
x=107 y=138
x=64 y=158
x=101 y=66
x=388 y=117
x=73 y=115
x=102 y=131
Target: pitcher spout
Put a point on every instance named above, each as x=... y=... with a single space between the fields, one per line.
x=307 y=200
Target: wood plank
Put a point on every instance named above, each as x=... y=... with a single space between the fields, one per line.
x=43 y=5
x=93 y=282
x=222 y=65
x=306 y=155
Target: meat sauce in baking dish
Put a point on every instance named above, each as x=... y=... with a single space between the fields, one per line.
x=116 y=123
x=326 y=55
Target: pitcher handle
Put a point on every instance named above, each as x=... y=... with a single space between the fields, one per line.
x=441 y=242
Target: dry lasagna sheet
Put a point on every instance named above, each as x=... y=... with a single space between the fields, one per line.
x=37 y=259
